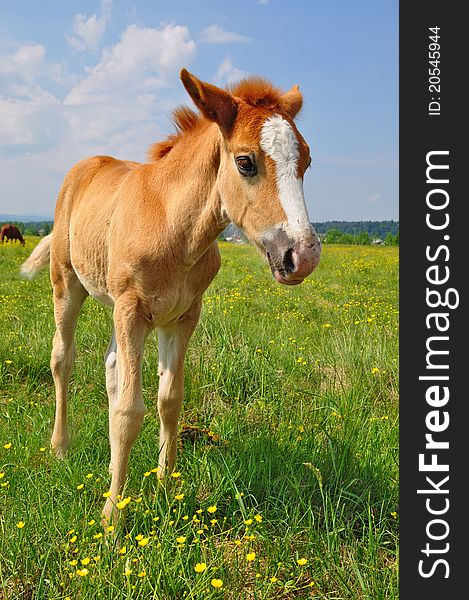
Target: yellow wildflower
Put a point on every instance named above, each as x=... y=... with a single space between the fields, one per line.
x=212 y=509
x=200 y=567
x=251 y=556
x=302 y=561
x=179 y=497
x=217 y=583
x=82 y=572
x=175 y=474
x=143 y=542
x=85 y=561
x=20 y=524
x=181 y=539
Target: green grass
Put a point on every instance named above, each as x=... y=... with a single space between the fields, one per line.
x=299 y=386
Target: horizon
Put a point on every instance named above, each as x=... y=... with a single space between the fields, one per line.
x=45 y=219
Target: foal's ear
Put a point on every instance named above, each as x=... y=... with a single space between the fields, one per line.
x=216 y=104
x=292 y=101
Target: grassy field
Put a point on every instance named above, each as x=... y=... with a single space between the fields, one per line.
x=292 y=490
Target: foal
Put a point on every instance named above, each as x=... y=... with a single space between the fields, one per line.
x=142 y=239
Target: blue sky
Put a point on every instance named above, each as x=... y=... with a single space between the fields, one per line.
x=101 y=77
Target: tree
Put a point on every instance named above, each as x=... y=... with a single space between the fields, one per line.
x=332 y=236
x=363 y=238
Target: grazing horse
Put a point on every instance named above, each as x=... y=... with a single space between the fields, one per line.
x=241 y=158
x=11 y=232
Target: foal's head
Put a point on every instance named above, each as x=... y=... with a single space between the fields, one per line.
x=262 y=164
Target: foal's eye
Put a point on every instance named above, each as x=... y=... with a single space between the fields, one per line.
x=246 y=166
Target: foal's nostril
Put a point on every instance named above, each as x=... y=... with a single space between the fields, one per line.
x=288 y=263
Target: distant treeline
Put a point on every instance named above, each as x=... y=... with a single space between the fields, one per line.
x=32 y=227
x=330 y=232
x=334 y=236
x=376 y=229
x=343 y=232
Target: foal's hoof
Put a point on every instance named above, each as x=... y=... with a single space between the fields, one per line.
x=108 y=517
x=60 y=442
x=59 y=448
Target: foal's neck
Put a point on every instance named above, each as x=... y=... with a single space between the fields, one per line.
x=190 y=172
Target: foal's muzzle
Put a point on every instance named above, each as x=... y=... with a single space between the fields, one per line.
x=292 y=258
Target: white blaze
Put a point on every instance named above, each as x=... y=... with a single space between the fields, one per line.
x=278 y=140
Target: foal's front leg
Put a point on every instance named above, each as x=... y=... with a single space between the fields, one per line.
x=112 y=383
x=128 y=409
x=172 y=346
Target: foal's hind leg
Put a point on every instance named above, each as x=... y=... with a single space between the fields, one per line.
x=69 y=295
x=172 y=346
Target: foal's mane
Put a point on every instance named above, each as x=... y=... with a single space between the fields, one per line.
x=255 y=91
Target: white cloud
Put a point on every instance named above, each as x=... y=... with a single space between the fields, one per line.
x=373 y=199
x=50 y=119
x=28 y=65
x=26 y=60
x=88 y=32
x=214 y=34
x=143 y=60
x=228 y=73
x=29 y=113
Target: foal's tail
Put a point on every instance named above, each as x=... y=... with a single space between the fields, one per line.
x=39 y=258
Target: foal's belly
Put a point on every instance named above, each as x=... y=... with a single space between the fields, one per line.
x=89 y=249
x=89 y=261
x=93 y=289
